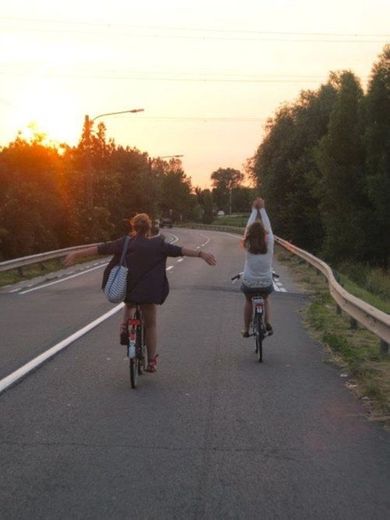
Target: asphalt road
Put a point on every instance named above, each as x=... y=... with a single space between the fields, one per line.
x=212 y=435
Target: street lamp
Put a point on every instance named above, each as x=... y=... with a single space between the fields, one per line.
x=133 y=111
x=87 y=126
x=162 y=157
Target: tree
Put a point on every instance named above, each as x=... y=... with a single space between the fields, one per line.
x=224 y=180
x=285 y=169
x=175 y=196
x=377 y=142
x=32 y=211
x=340 y=158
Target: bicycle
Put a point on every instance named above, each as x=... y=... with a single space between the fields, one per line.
x=259 y=329
x=136 y=350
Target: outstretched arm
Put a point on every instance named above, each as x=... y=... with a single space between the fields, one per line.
x=71 y=258
x=207 y=257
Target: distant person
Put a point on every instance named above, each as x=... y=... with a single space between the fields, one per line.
x=258 y=242
x=147 y=283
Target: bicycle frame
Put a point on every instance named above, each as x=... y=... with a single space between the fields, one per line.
x=258 y=314
x=136 y=346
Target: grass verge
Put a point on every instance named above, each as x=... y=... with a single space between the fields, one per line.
x=356 y=351
x=32 y=271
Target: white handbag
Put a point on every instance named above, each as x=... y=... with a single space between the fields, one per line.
x=116 y=286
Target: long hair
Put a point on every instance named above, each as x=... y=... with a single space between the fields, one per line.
x=254 y=240
x=141 y=224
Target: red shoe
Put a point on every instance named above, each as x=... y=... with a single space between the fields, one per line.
x=152 y=364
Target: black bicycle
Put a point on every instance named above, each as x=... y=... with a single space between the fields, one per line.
x=259 y=329
x=136 y=351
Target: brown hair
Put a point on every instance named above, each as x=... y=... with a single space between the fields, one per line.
x=254 y=240
x=141 y=224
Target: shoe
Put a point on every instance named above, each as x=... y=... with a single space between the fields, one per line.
x=245 y=334
x=269 y=329
x=124 y=335
x=152 y=364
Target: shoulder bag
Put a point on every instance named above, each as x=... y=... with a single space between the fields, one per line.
x=116 y=286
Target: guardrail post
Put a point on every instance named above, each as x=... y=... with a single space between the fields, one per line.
x=354 y=324
x=338 y=309
x=384 y=348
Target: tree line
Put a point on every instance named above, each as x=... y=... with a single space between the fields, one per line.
x=54 y=197
x=324 y=168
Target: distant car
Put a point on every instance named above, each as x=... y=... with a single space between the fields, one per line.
x=166 y=222
x=220 y=213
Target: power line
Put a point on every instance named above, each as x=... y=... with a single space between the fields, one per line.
x=199 y=33
x=190 y=29
x=175 y=78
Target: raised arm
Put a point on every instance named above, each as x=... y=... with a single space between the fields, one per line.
x=255 y=213
x=266 y=221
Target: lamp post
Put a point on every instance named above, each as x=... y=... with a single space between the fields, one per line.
x=177 y=156
x=87 y=136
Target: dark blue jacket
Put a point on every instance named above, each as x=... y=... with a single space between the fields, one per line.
x=146 y=259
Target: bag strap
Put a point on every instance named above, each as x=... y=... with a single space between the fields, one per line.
x=124 y=251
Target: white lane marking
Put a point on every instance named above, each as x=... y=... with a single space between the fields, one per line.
x=170 y=267
x=39 y=360
x=62 y=279
x=180 y=260
x=34 y=363
x=231 y=235
x=175 y=238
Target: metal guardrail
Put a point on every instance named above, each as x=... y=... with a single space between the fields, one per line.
x=368 y=316
x=17 y=263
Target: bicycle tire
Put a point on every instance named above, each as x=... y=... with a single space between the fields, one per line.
x=259 y=337
x=140 y=349
x=134 y=372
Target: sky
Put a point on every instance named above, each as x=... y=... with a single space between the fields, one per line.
x=208 y=73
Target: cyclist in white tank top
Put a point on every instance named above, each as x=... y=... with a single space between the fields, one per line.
x=257 y=277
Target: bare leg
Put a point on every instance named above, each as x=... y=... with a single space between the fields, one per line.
x=247 y=313
x=127 y=313
x=149 y=311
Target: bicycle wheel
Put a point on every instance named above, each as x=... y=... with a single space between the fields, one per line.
x=259 y=334
x=140 y=349
x=134 y=371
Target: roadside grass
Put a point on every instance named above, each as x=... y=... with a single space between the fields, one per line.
x=34 y=270
x=373 y=297
x=238 y=220
x=355 y=351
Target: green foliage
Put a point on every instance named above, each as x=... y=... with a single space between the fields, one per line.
x=224 y=181
x=324 y=168
x=50 y=200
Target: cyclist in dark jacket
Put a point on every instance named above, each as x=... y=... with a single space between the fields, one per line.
x=147 y=283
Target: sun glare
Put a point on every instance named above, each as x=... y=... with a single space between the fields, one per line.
x=50 y=111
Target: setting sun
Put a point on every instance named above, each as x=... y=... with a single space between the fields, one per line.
x=48 y=109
